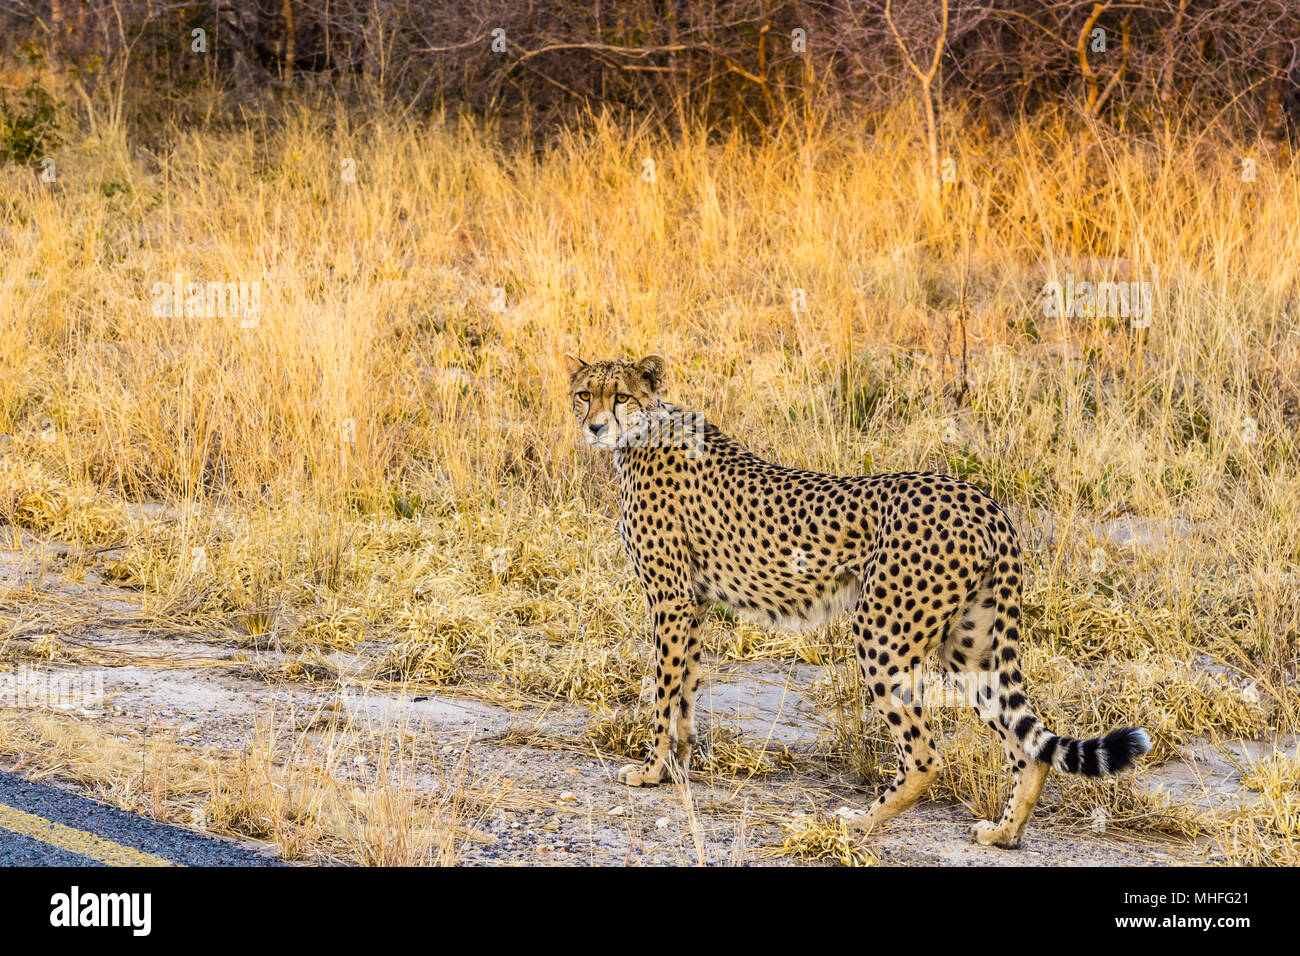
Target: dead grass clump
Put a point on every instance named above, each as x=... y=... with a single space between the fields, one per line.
x=32 y=498
x=1123 y=803
x=1277 y=772
x=1265 y=832
x=623 y=732
x=808 y=836
x=729 y=751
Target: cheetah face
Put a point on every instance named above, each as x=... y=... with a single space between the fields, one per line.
x=613 y=400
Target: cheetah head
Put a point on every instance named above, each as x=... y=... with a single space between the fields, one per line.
x=614 y=400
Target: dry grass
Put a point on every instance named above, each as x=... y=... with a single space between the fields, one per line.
x=811 y=837
x=343 y=797
x=383 y=464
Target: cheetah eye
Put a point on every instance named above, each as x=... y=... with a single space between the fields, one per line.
x=584 y=396
x=620 y=398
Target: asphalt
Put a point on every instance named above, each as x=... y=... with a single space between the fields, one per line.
x=43 y=825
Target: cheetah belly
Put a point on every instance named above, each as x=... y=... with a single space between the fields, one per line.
x=791 y=606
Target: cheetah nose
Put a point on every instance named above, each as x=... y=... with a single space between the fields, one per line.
x=596 y=428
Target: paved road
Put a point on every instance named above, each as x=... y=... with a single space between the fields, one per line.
x=42 y=825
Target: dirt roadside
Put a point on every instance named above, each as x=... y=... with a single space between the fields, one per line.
x=555 y=797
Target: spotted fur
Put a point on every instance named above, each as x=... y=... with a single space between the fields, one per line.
x=925 y=563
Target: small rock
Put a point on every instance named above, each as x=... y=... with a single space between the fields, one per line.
x=618 y=811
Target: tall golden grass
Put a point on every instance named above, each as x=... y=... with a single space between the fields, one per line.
x=385 y=455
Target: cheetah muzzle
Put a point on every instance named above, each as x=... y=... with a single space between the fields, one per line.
x=923 y=563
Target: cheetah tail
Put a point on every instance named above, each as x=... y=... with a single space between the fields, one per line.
x=1098 y=757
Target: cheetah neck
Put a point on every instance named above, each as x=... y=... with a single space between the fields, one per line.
x=668 y=430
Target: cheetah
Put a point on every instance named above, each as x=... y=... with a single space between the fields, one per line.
x=923 y=562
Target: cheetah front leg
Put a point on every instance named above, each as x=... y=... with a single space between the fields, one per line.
x=675 y=623
x=682 y=730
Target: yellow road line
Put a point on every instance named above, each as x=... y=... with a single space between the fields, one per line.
x=75 y=841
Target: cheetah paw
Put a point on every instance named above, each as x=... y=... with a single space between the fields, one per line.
x=988 y=833
x=640 y=775
x=859 y=820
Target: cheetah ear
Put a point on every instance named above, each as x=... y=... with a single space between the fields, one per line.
x=572 y=363
x=653 y=368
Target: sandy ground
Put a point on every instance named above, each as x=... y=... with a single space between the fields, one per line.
x=560 y=802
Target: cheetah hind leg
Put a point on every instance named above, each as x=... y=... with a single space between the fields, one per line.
x=969 y=651
x=1029 y=776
